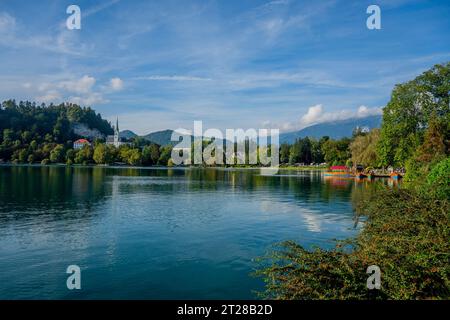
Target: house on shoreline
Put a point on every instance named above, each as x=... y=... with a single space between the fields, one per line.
x=80 y=143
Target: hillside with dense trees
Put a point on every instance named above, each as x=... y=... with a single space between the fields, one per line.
x=30 y=132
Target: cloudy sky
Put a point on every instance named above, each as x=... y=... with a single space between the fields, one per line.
x=163 y=64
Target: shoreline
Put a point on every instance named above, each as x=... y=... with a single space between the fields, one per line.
x=287 y=168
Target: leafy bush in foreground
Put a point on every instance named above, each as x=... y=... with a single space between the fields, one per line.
x=406 y=234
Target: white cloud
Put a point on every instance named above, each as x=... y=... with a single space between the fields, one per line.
x=82 y=85
x=88 y=100
x=317 y=114
x=116 y=84
x=7 y=23
x=78 y=90
x=314 y=115
x=364 y=111
x=49 y=97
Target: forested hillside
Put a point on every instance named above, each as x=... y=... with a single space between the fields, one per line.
x=26 y=127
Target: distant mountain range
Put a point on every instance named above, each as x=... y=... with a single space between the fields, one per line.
x=159 y=137
x=335 y=130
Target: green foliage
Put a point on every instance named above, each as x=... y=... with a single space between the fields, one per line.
x=150 y=154
x=70 y=156
x=57 y=154
x=406 y=235
x=84 y=155
x=438 y=179
x=336 y=152
x=103 y=154
x=304 y=150
x=407 y=230
x=134 y=157
x=284 y=153
x=28 y=129
x=407 y=115
x=165 y=154
x=364 y=148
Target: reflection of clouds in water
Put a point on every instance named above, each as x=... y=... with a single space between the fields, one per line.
x=311 y=218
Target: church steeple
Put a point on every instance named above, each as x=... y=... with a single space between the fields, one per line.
x=117 y=134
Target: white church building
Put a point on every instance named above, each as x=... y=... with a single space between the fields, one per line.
x=115 y=139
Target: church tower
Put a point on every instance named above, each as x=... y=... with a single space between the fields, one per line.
x=116 y=134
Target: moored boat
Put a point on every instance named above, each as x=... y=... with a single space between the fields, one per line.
x=395 y=176
x=338 y=171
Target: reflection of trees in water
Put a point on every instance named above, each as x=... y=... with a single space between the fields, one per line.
x=33 y=190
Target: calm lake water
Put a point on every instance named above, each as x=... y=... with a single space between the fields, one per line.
x=158 y=233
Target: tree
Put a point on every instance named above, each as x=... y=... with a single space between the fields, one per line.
x=8 y=136
x=336 y=151
x=438 y=179
x=134 y=157
x=364 y=149
x=284 y=153
x=84 y=155
x=165 y=155
x=407 y=115
x=57 y=154
x=154 y=153
x=70 y=156
x=146 y=156
x=102 y=154
x=30 y=158
x=22 y=155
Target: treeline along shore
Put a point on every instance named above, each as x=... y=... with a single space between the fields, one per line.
x=45 y=134
x=406 y=232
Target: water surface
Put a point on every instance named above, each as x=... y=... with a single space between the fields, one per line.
x=140 y=233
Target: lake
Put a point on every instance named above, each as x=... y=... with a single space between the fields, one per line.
x=158 y=233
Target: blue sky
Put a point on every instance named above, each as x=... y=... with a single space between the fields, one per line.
x=163 y=64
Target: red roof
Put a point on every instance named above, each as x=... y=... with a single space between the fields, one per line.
x=339 y=168
x=81 y=141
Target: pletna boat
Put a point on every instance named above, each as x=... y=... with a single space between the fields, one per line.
x=395 y=176
x=338 y=171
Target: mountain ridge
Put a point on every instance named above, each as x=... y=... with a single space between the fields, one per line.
x=334 y=129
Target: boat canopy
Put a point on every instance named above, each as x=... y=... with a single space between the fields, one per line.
x=339 y=168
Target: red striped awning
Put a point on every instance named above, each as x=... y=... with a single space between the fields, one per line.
x=339 y=168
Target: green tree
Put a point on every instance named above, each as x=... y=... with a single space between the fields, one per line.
x=165 y=155
x=84 y=155
x=438 y=179
x=284 y=153
x=22 y=155
x=336 y=151
x=407 y=115
x=70 y=156
x=57 y=154
x=102 y=154
x=364 y=149
x=30 y=158
x=134 y=157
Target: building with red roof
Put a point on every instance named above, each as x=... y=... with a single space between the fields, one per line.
x=80 y=143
